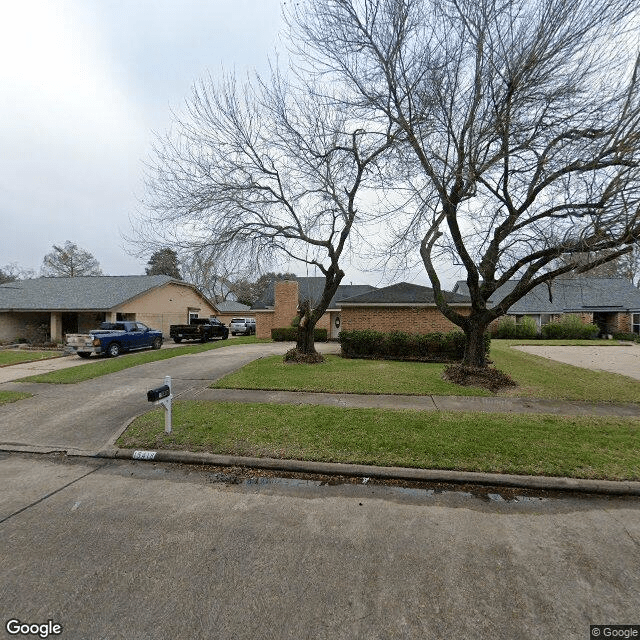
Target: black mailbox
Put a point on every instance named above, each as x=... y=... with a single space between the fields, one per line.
x=154 y=395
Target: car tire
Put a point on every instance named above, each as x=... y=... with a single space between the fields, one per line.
x=225 y=335
x=177 y=340
x=157 y=343
x=114 y=350
x=84 y=354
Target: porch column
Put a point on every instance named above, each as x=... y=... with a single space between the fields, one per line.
x=56 y=327
x=110 y=316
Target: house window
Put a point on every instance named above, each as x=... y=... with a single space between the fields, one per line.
x=192 y=316
x=636 y=323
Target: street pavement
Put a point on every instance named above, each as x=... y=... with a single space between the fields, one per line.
x=113 y=549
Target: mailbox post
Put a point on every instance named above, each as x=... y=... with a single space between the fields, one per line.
x=162 y=395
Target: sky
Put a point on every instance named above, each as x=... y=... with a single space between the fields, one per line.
x=86 y=86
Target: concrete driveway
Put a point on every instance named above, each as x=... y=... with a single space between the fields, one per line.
x=622 y=359
x=82 y=418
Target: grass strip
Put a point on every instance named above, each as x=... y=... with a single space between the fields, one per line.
x=537 y=377
x=12 y=396
x=104 y=366
x=18 y=356
x=580 y=447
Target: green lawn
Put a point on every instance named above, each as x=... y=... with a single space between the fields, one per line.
x=539 y=377
x=582 y=447
x=341 y=375
x=97 y=367
x=536 y=377
x=12 y=396
x=16 y=356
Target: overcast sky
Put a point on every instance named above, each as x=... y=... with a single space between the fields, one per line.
x=85 y=84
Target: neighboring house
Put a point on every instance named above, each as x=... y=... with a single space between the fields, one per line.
x=611 y=303
x=47 y=308
x=279 y=305
x=230 y=309
x=400 y=307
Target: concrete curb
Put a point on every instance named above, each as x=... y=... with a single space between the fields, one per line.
x=607 y=487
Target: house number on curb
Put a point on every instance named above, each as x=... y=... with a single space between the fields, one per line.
x=144 y=455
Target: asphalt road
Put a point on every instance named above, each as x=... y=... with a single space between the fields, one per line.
x=143 y=551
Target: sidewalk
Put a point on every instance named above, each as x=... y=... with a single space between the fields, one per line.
x=420 y=403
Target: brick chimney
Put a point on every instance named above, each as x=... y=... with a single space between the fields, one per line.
x=285 y=307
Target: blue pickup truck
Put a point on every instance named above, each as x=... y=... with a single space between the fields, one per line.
x=114 y=338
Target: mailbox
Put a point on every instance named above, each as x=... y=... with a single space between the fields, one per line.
x=162 y=395
x=154 y=395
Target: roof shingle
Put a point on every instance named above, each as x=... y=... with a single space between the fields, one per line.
x=74 y=294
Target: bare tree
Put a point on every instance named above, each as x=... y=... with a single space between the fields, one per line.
x=70 y=261
x=520 y=125
x=625 y=266
x=263 y=172
x=12 y=272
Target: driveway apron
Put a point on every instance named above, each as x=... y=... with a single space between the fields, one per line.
x=83 y=417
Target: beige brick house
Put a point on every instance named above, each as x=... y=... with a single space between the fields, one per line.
x=44 y=309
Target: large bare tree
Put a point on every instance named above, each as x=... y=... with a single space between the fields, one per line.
x=70 y=261
x=520 y=124
x=263 y=172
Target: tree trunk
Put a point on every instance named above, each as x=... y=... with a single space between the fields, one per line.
x=306 y=328
x=474 y=351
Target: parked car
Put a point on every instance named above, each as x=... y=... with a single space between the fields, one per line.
x=114 y=338
x=246 y=326
x=202 y=329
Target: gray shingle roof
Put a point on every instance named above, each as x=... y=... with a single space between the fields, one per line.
x=231 y=306
x=571 y=294
x=403 y=293
x=89 y=293
x=312 y=288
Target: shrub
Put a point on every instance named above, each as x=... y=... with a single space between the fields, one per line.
x=570 y=327
x=631 y=337
x=506 y=328
x=290 y=334
x=526 y=328
x=509 y=328
x=397 y=345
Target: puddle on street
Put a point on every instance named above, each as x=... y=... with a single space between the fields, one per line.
x=317 y=486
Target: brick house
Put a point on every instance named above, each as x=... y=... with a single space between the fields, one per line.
x=611 y=303
x=279 y=305
x=400 y=307
x=44 y=309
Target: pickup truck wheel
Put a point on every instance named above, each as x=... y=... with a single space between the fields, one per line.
x=113 y=350
x=157 y=343
x=204 y=338
x=84 y=354
x=225 y=335
x=177 y=340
